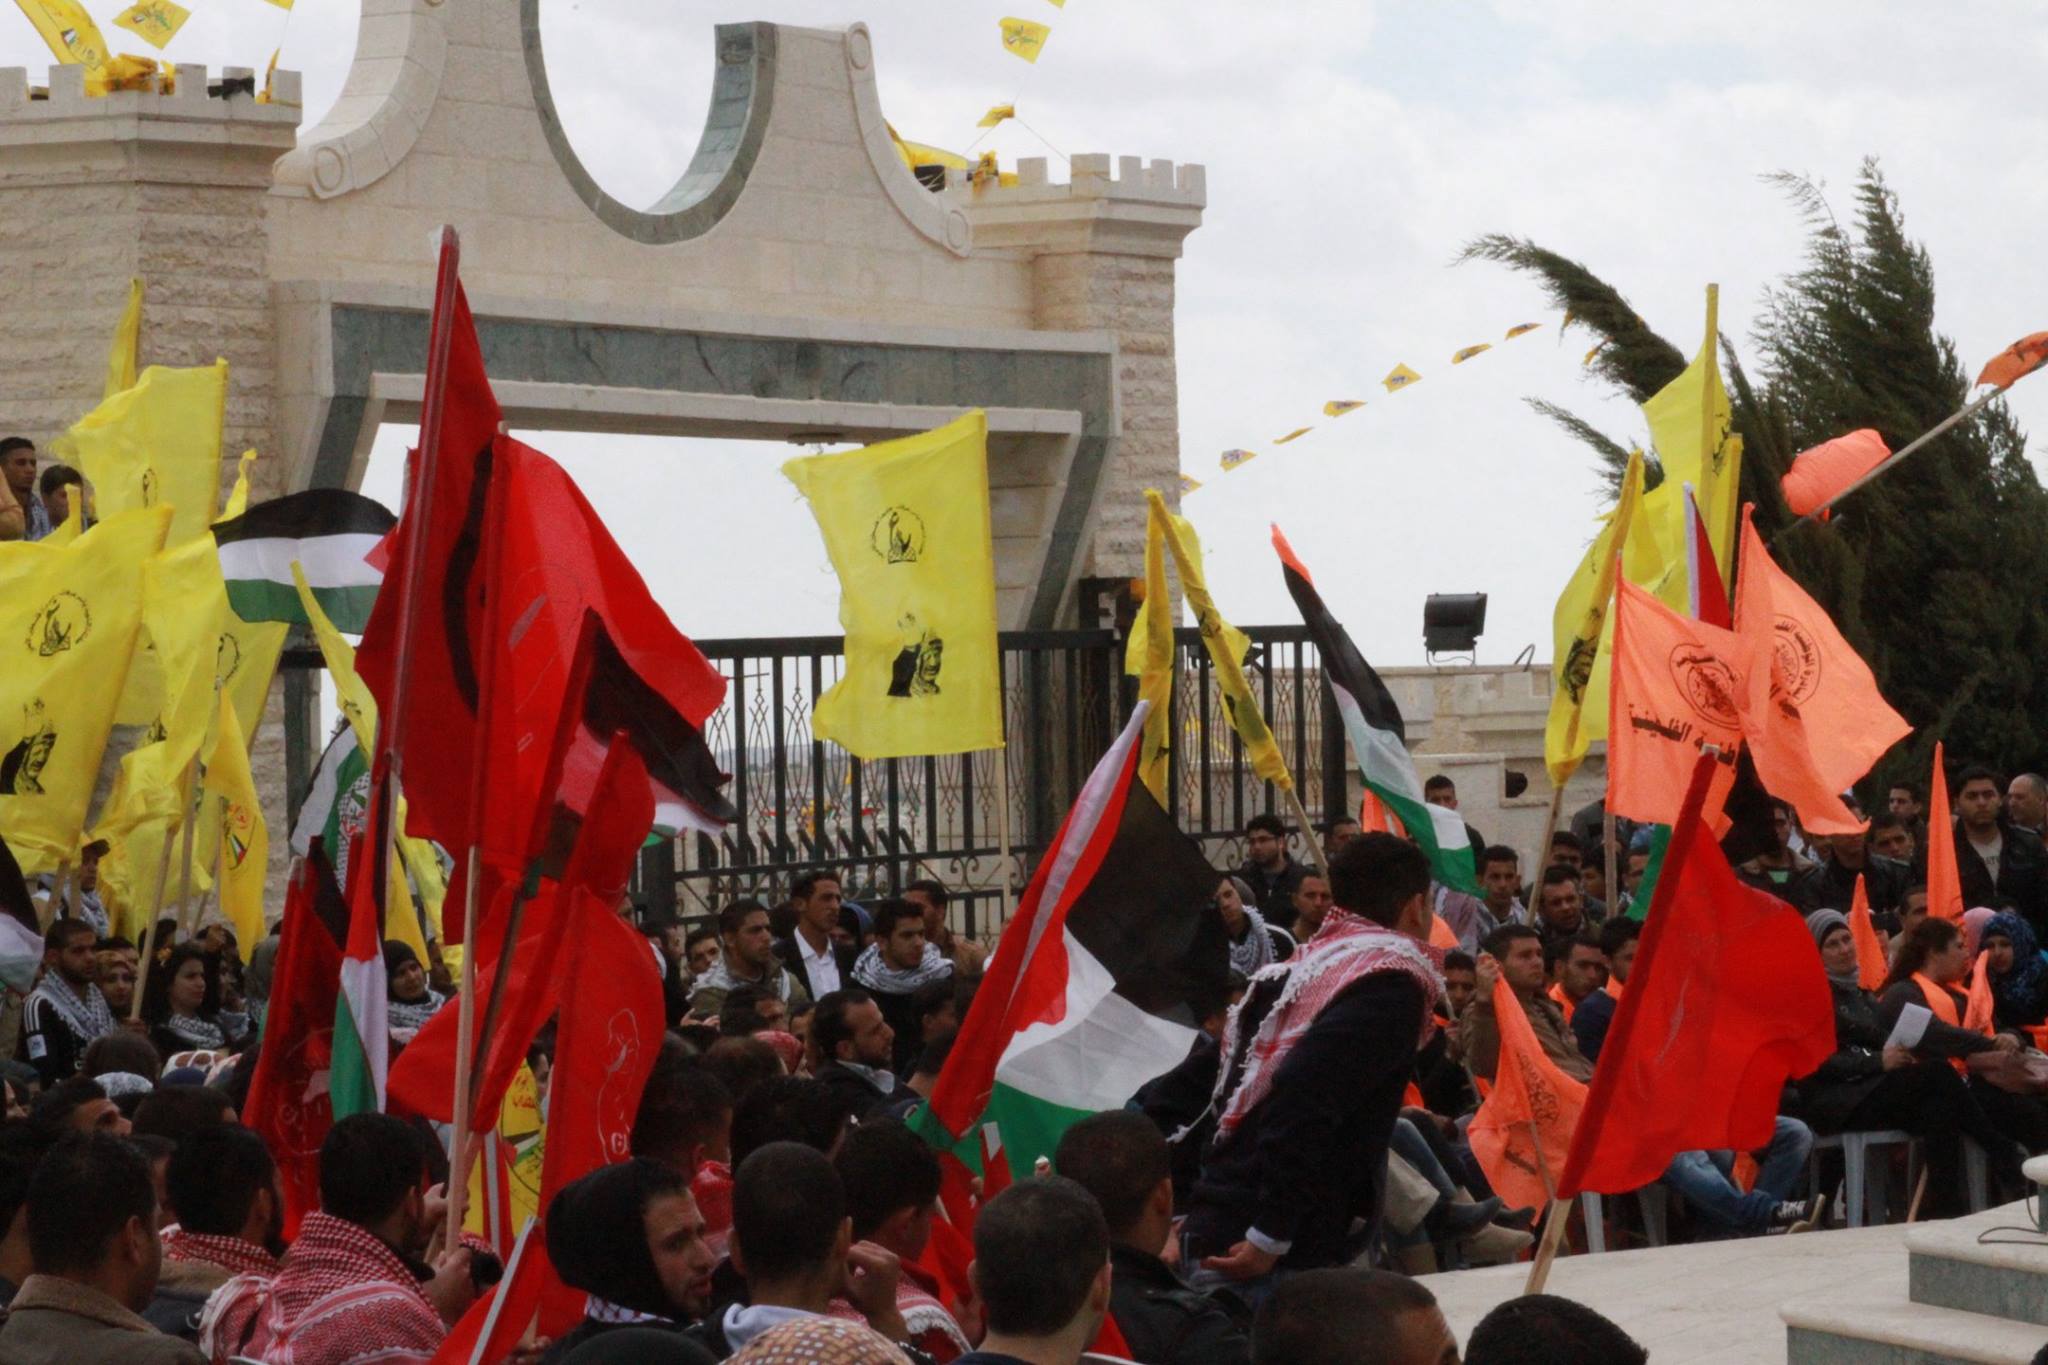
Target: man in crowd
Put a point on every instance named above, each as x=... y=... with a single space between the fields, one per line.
x=58 y=485
x=21 y=1148
x=2026 y=803
x=931 y=897
x=1311 y=902
x=1999 y=864
x=1543 y=1329
x=1780 y=869
x=352 y=1285
x=1635 y=865
x=92 y=1235
x=1342 y=831
x=1514 y=953
x=857 y=1049
x=1844 y=858
x=1590 y=1021
x=1348 y=1316
x=24 y=517
x=1041 y=1270
x=1566 y=850
x=748 y=957
x=224 y=1191
x=76 y=1104
x=84 y=894
x=893 y=968
x=793 y=1244
x=749 y=1010
x=1500 y=882
x=1269 y=869
x=1904 y=801
x=821 y=963
x=1312 y=1078
x=65 y=1011
x=891 y=1177
x=1891 y=840
x=1560 y=907
x=630 y=1236
x=1439 y=790
x=1577 y=970
x=1122 y=1159
x=700 y=950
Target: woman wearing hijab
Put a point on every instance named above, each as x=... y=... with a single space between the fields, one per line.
x=408 y=1002
x=1865 y=1085
x=1974 y=922
x=2019 y=972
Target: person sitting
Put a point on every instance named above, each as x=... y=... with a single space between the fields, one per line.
x=1514 y=953
x=76 y=1105
x=1561 y=911
x=897 y=965
x=1844 y=858
x=630 y=1236
x=2018 y=970
x=92 y=1236
x=1543 y=1329
x=1041 y=1271
x=792 y=1243
x=1865 y=1084
x=747 y=956
x=891 y=1178
x=1576 y=968
x=410 y=1002
x=1595 y=1013
x=66 y=1011
x=222 y=1187
x=857 y=1049
x=1780 y=869
x=352 y=1285
x=1251 y=946
x=1123 y=1161
x=1345 y=1315
x=181 y=1005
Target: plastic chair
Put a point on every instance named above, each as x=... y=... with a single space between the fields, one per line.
x=1863 y=1187
x=1653 y=1200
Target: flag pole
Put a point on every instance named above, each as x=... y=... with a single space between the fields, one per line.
x=1308 y=831
x=1959 y=415
x=156 y=910
x=1003 y=828
x=1546 y=1250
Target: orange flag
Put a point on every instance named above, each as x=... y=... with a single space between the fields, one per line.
x=1374 y=815
x=1820 y=475
x=1521 y=1133
x=2016 y=361
x=1944 y=882
x=1977 y=1006
x=1870 y=960
x=1677 y=688
x=1817 y=722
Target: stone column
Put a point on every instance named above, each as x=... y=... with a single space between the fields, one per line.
x=1103 y=250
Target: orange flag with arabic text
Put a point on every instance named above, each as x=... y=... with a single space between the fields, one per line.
x=1944 y=881
x=1871 y=965
x=1521 y=1133
x=1677 y=689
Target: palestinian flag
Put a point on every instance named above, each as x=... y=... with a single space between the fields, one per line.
x=362 y=1044
x=1101 y=980
x=335 y=801
x=1378 y=737
x=331 y=532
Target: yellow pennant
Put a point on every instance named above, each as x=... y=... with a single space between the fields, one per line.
x=1293 y=435
x=1520 y=329
x=287 y=4
x=1400 y=377
x=1188 y=485
x=156 y=22
x=1465 y=353
x=1021 y=37
x=996 y=114
x=1598 y=347
x=1337 y=407
x=1233 y=458
x=267 y=94
x=73 y=37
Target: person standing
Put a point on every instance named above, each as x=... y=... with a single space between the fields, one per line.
x=65 y=1011
x=2000 y=865
x=1041 y=1270
x=897 y=965
x=820 y=961
x=22 y=514
x=747 y=957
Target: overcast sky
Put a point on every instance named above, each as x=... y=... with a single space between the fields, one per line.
x=1352 y=148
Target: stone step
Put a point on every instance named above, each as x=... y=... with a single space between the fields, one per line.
x=1948 y=1266
x=1865 y=1328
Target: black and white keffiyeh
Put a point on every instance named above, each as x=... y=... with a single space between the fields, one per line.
x=872 y=972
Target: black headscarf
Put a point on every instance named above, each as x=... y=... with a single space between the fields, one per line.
x=597 y=1234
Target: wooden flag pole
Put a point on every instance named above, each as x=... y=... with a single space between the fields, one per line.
x=1546 y=1250
x=1549 y=824
x=465 y=1041
x=1308 y=831
x=1961 y=414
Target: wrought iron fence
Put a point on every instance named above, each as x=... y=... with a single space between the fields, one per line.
x=803 y=802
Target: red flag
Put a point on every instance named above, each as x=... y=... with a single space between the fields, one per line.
x=1944 y=880
x=1820 y=475
x=1727 y=1001
x=1871 y=967
x=1703 y=572
x=288 y=1104
x=1523 y=1130
x=498 y=1320
x=2016 y=361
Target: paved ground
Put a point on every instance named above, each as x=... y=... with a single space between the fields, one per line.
x=1713 y=1303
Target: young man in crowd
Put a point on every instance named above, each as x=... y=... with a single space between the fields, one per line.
x=1269 y=869
x=353 y=1284
x=894 y=968
x=630 y=1236
x=821 y=962
x=1846 y=857
x=1340 y=832
x=1577 y=969
x=856 y=1049
x=83 y=898
x=748 y=958
x=1892 y=842
x=1348 y=1316
x=1514 y=953
x=891 y=1177
x=23 y=516
x=1311 y=901
x=92 y=1235
x=1999 y=864
x=223 y=1189
x=1500 y=884
x=1543 y=1329
x=931 y=897
x=1780 y=869
x=1561 y=911
x=1041 y=1270
x=1904 y=801
x=65 y=1011
x=1590 y=1021
x=1122 y=1159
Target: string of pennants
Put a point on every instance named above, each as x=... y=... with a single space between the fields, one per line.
x=1401 y=377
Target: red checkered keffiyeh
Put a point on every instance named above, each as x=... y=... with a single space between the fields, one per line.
x=1346 y=949
x=231 y=1254
x=341 y=1297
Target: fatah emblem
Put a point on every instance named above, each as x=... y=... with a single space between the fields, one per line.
x=915 y=672
x=1578 y=666
x=898 y=536
x=227 y=658
x=149 y=487
x=1707 y=683
x=21 y=770
x=62 y=623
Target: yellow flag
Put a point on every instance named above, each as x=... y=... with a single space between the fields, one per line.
x=1233 y=458
x=121 y=357
x=1578 y=625
x=69 y=618
x=287 y=4
x=1188 y=485
x=1465 y=353
x=156 y=22
x=241 y=843
x=906 y=524
x=1400 y=377
x=245 y=662
x=73 y=37
x=1149 y=654
x=518 y=1148
x=1689 y=422
x=1224 y=651
x=996 y=114
x=268 y=94
x=156 y=444
x=1293 y=435
x=237 y=500
x=1024 y=38
x=1337 y=407
x=350 y=691
x=1522 y=328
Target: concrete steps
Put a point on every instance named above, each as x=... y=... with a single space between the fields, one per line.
x=1965 y=1301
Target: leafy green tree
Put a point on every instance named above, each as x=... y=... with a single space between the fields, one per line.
x=1935 y=571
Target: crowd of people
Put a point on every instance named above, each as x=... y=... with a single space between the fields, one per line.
x=1269 y=1199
